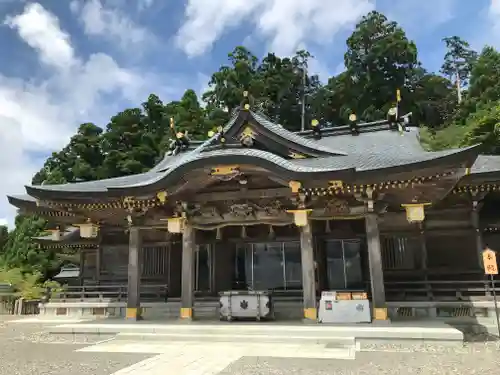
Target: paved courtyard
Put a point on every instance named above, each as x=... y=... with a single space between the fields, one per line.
x=26 y=350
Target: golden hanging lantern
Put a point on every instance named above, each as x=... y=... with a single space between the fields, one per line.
x=415 y=212
x=300 y=217
x=88 y=230
x=176 y=224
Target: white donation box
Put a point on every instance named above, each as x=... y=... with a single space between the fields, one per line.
x=246 y=304
x=344 y=307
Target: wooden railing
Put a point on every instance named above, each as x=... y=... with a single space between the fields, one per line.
x=109 y=292
x=440 y=290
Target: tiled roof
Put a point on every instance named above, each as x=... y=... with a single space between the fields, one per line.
x=377 y=142
x=294 y=138
x=372 y=161
x=486 y=164
x=376 y=147
x=67 y=235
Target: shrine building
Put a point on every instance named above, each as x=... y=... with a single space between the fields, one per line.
x=361 y=208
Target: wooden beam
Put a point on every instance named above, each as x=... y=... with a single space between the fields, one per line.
x=240 y=194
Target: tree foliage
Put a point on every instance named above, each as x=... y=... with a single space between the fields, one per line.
x=458 y=63
x=380 y=59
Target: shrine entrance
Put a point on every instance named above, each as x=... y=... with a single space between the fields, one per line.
x=204 y=269
x=342 y=264
x=272 y=266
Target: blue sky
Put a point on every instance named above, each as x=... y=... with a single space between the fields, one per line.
x=67 y=62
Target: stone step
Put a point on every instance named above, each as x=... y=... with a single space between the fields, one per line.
x=369 y=333
x=241 y=337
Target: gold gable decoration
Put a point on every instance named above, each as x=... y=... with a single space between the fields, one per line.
x=296 y=155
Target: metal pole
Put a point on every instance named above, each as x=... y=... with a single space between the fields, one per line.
x=496 y=303
x=303 y=109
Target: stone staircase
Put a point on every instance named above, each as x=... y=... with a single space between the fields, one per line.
x=357 y=336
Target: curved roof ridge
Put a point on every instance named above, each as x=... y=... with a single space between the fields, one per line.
x=293 y=137
x=258 y=154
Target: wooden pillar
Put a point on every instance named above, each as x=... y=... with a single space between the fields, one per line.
x=98 y=257
x=375 y=264
x=423 y=249
x=134 y=274
x=187 y=282
x=308 y=274
x=477 y=230
x=82 y=266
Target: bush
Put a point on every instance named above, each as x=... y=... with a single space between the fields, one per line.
x=27 y=285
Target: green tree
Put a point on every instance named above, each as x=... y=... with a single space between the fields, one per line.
x=189 y=116
x=458 y=63
x=80 y=160
x=127 y=145
x=4 y=236
x=226 y=86
x=484 y=85
x=483 y=127
x=379 y=60
x=21 y=252
x=433 y=100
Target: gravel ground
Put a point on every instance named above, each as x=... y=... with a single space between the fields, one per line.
x=474 y=358
x=26 y=350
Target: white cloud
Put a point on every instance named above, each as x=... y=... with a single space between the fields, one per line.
x=494 y=8
x=40 y=116
x=494 y=15
x=3 y=221
x=319 y=68
x=44 y=35
x=111 y=23
x=286 y=23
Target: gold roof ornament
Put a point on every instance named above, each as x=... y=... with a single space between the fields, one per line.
x=162 y=196
x=172 y=123
x=210 y=133
x=314 y=123
x=353 y=117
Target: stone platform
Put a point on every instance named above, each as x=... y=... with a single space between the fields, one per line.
x=274 y=332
